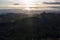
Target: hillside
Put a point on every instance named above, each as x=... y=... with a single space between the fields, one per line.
x=21 y=27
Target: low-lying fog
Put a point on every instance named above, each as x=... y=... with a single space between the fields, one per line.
x=29 y=12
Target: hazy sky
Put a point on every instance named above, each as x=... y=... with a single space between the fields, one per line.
x=20 y=1
x=57 y=0
x=6 y=3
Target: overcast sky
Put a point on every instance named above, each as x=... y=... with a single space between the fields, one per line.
x=19 y=1
x=57 y=0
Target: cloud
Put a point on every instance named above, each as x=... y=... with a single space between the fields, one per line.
x=20 y=1
x=57 y=0
x=10 y=1
x=5 y=1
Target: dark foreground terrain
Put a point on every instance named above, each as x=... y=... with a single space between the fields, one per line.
x=21 y=27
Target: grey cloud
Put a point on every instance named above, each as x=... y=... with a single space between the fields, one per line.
x=5 y=2
x=57 y=0
x=9 y=1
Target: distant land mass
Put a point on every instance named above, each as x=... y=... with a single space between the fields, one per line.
x=51 y=2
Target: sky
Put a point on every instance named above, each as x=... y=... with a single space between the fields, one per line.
x=9 y=4
x=22 y=1
x=27 y=3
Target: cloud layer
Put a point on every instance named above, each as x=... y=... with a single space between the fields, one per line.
x=5 y=2
x=9 y=1
x=19 y=1
x=57 y=0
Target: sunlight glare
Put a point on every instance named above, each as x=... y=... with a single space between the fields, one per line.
x=28 y=3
